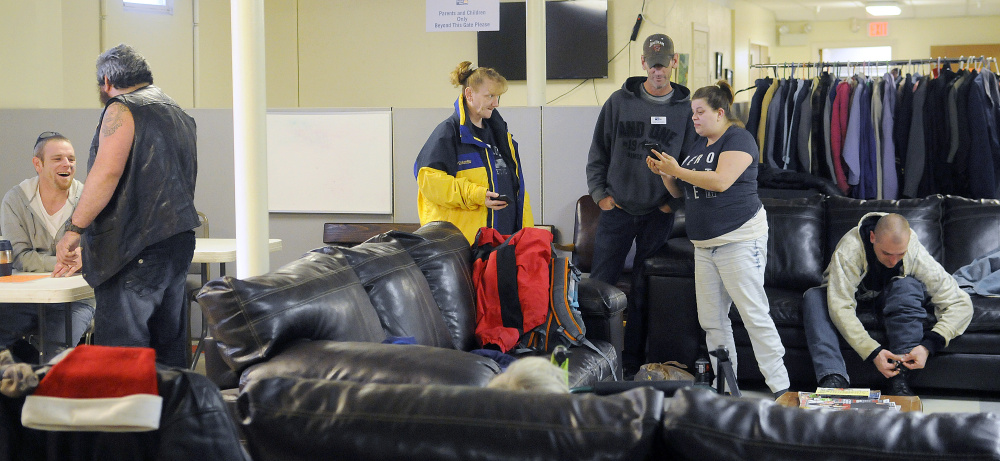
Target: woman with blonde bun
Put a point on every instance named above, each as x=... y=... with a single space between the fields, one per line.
x=726 y=221
x=469 y=170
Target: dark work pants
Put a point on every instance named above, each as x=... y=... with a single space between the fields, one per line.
x=144 y=304
x=17 y=320
x=616 y=229
x=903 y=310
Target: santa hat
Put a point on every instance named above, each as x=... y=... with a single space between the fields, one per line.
x=97 y=388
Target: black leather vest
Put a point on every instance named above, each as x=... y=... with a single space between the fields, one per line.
x=154 y=198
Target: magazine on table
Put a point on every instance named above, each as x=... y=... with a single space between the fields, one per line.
x=815 y=403
x=845 y=399
x=848 y=392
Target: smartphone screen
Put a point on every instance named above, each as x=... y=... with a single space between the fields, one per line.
x=649 y=147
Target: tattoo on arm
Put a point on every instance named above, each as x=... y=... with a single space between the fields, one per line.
x=113 y=119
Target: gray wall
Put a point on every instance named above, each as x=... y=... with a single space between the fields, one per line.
x=554 y=142
x=566 y=135
x=20 y=127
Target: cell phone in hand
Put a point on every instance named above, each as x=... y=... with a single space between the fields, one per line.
x=650 y=147
x=503 y=198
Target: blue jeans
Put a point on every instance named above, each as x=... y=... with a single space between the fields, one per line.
x=144 y=304
x=616 y=229
x=18 y=320
x=902 y=309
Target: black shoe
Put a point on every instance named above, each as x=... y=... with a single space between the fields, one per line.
x=780 y=393
x=628 y=373
x=834 y=380
x=898 y=385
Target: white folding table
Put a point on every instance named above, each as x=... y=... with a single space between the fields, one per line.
x=47 y=290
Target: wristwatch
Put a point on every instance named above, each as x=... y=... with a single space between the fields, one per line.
x=70 y=227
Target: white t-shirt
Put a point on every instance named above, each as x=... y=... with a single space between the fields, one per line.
x=52 y=222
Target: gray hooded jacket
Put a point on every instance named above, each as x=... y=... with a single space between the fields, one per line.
x=34 y=248
x=616 y=165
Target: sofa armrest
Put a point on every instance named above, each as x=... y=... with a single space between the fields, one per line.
x=602 y=307
x=600 y=299
x=216 y=368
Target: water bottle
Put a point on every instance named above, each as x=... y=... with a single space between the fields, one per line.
x=702 y=368
x=6 y=258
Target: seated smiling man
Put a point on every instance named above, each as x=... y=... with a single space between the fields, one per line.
x=32 y=218
x=880 y=265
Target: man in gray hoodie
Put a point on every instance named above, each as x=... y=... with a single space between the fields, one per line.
x=646 y=113
x=32 y=217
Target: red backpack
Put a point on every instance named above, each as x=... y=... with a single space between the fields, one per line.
x=511 y=276
x=525 y=298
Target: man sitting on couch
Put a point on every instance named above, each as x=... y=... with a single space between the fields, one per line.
x=881 y=266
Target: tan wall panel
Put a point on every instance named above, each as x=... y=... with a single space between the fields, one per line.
x=79 y=21
x=31 y=58
x=280 y=43
x=163 y=39
x=215 y=55
x=369 y=54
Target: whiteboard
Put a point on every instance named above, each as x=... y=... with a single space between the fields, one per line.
x=335 y=161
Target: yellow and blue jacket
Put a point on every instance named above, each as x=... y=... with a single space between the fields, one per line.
x=454 y=170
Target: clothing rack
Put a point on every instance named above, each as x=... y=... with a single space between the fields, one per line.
x=931 y=154
x=963 y=60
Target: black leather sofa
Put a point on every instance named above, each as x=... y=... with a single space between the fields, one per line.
x=316 y=384
x=326 y=315
x=306 y=419
x=803 y=234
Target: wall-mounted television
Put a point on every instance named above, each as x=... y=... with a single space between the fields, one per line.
x=576 y=40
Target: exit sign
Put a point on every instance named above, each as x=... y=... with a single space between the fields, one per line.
x=878 y=29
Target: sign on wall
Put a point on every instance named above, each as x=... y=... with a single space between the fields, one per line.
x=463 y=15
x=878 y=29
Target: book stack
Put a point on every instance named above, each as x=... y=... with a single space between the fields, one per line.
x=845 y=399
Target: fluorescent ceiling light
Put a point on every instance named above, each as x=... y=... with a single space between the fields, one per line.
x=882 y=8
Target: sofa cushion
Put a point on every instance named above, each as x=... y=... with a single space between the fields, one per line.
x=674 y=259
x=307 y=419
x=923 y=214
x=376 y=363
x=398 y=290
x=315 y=297
x=794 y=254
x=443 y=255
x=971 y=230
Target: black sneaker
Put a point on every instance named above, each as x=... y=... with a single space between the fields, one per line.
x=834 y=380
x=898 y=385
